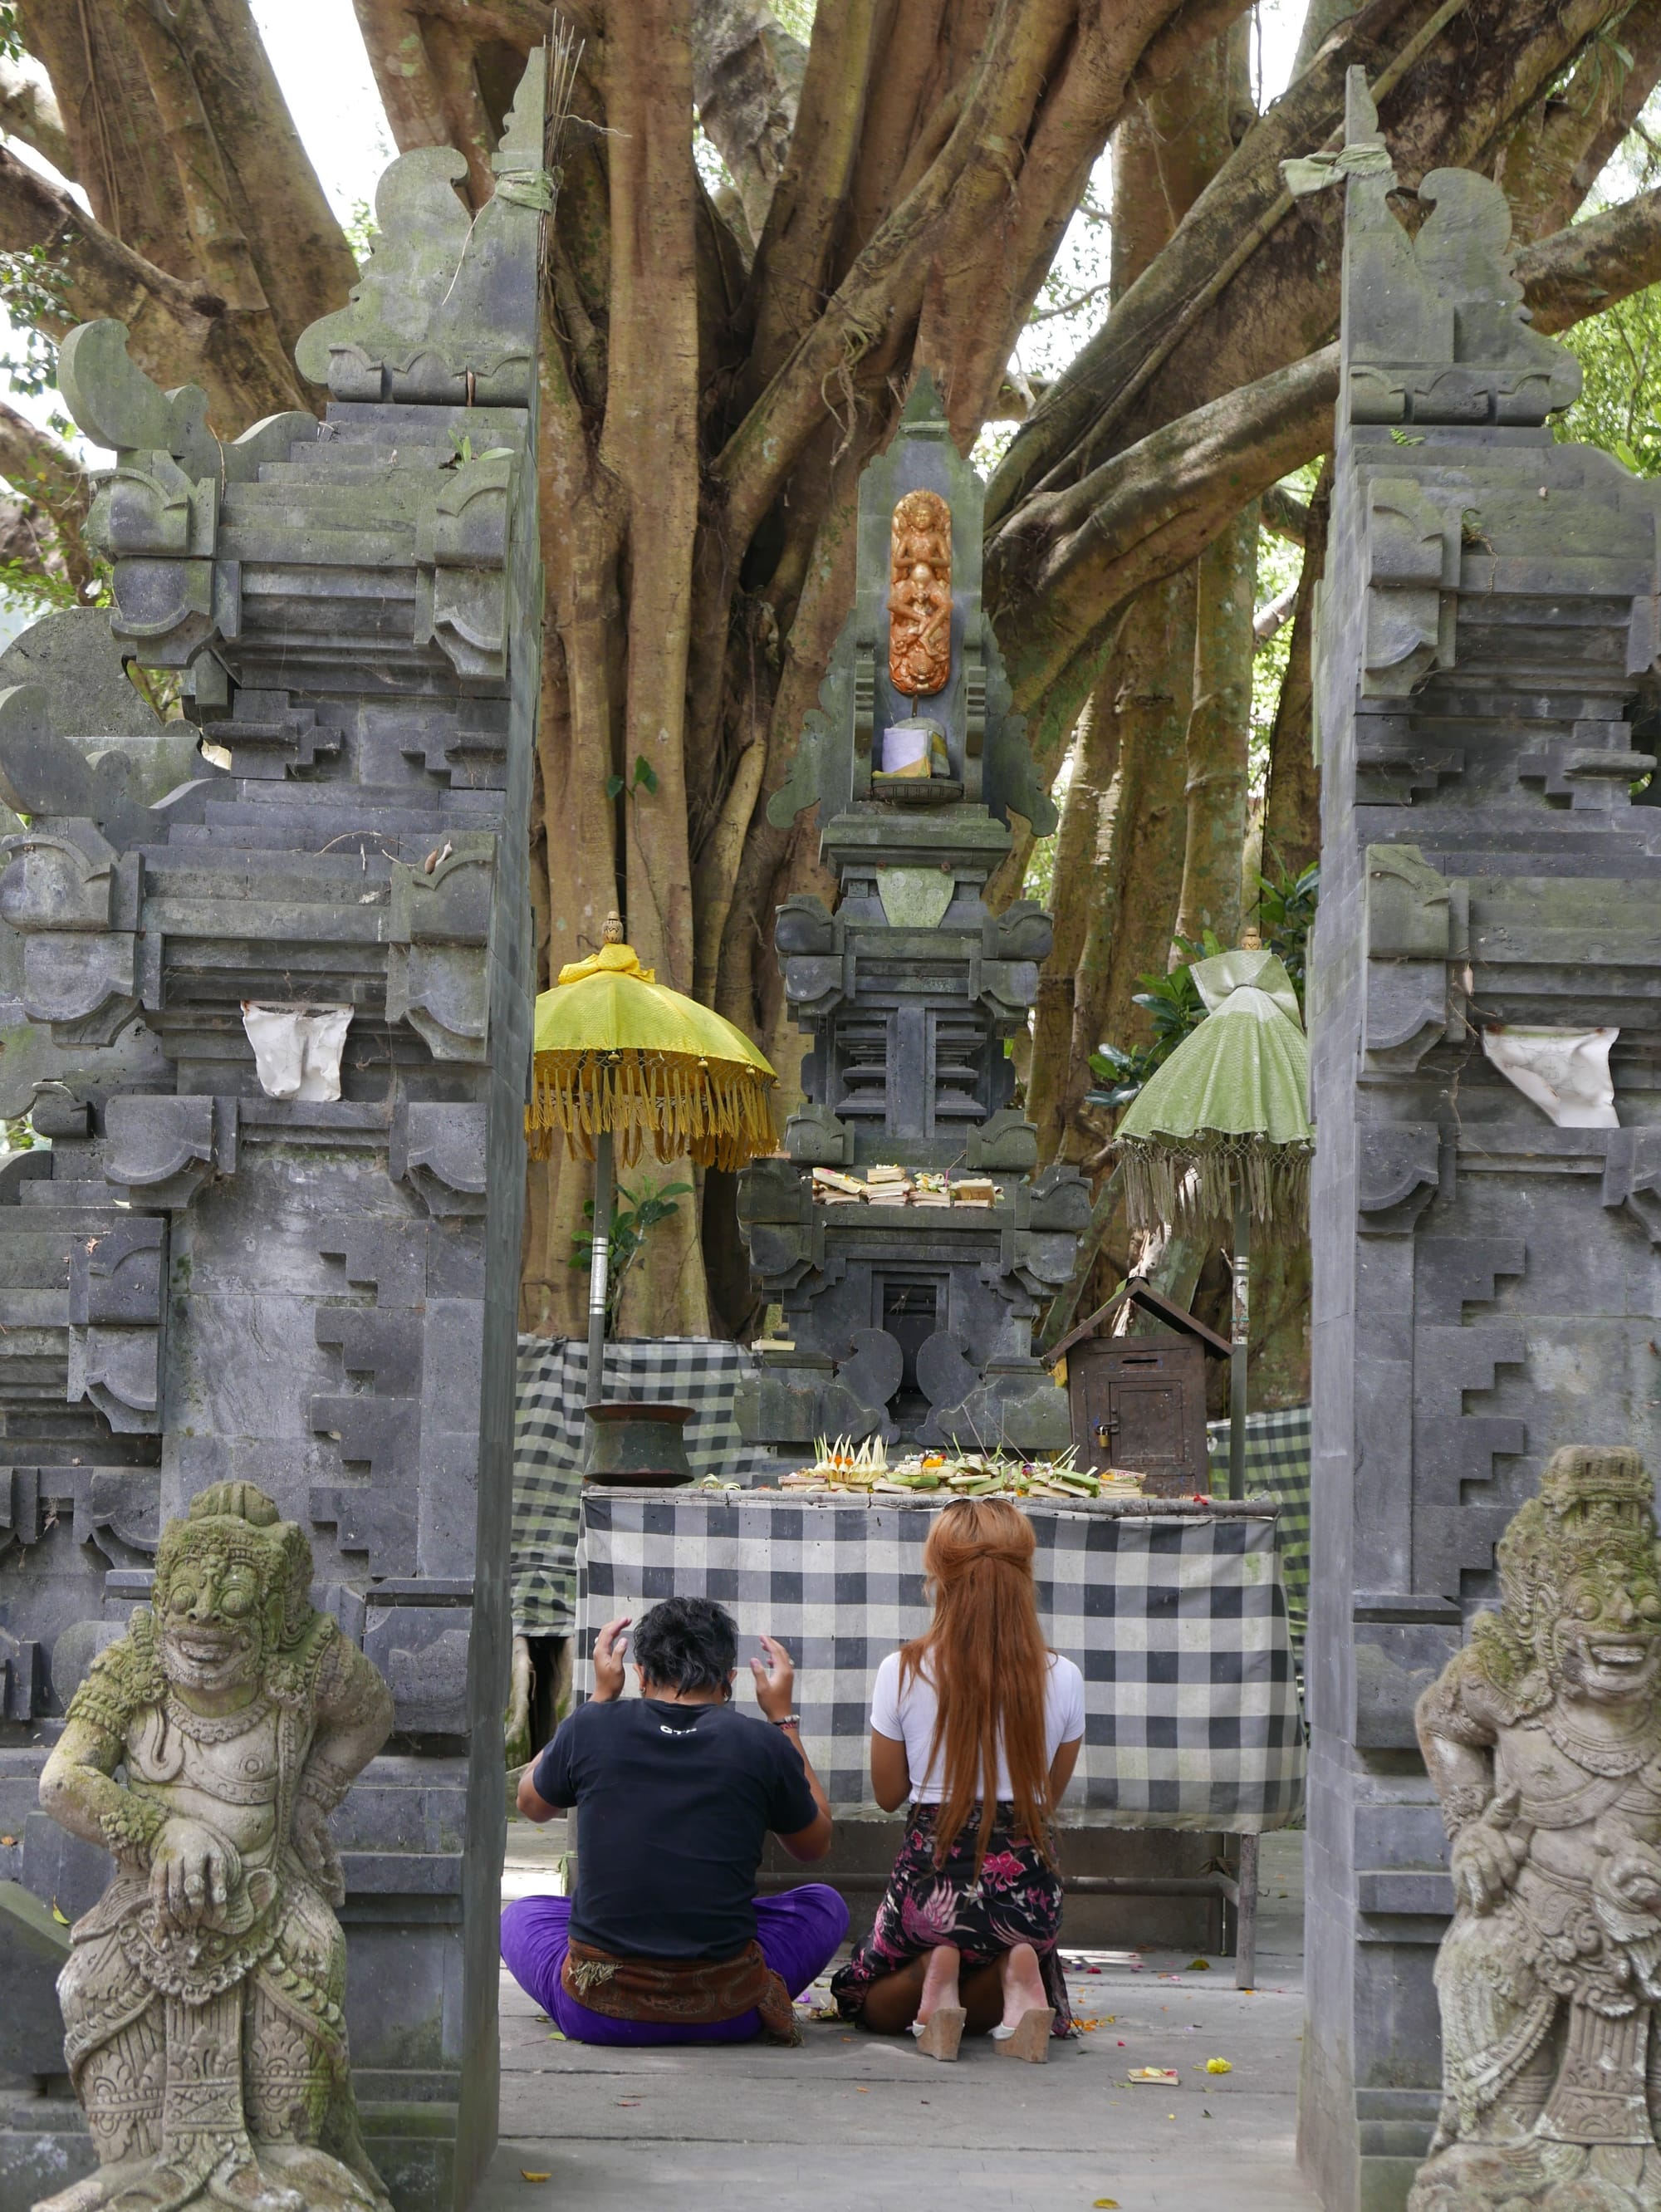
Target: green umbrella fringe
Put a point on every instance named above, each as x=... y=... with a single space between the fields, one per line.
x=717 y=1111
x=1196 y=1187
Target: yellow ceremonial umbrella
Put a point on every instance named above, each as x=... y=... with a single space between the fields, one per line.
x=619 y=1059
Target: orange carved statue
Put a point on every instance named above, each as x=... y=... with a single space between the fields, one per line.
x=920 y=595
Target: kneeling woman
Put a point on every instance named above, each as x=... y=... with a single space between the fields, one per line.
x=980 y=1724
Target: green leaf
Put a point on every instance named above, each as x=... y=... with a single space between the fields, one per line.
x=646 y=776
x=613 y=785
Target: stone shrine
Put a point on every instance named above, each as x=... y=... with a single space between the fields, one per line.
x=912 y=1322
x=1485 y=1023
x=265 y=984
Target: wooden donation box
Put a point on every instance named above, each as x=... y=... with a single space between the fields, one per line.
x=1139 y=1401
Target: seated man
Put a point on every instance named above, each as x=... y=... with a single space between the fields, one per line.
x=665 y=1939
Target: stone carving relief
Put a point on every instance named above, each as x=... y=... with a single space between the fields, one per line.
x=203 y=2001
x=1542 y=1737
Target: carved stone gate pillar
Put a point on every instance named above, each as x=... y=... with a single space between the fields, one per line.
x=287 y=1248
x=1485 y=1207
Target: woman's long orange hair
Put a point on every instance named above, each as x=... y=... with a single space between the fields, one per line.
x=989 y=1666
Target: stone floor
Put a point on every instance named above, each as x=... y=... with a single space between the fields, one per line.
x=760 y=2129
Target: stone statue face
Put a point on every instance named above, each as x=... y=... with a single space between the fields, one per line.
x=212 y=1621
x=1607 y=1637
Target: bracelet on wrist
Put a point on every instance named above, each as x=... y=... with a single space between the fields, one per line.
x=787 y=1720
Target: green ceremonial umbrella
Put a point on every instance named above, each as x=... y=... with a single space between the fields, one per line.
x=1221 y=1133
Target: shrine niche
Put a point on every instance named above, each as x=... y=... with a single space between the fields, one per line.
x=905 y=1235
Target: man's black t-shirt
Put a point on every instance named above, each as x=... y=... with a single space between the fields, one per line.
x=673 y=1805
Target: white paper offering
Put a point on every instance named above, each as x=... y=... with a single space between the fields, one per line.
x=1565 y=1072
x=297 y=1049
x=905 y=749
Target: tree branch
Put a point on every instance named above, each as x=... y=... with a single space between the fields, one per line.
x=1552 y=158
x=48 y=475
x=1241 y=289
x=1285 y=514
x=180 y=333
x=1150 y=510
x=793 y=255
x=28 y=111
x=1593 y=265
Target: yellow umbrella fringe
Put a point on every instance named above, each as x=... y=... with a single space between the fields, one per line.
x=717 y=1111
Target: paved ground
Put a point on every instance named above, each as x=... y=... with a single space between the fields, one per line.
x=765 y=2129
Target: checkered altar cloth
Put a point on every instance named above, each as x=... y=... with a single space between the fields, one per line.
x=549 y=1434
x=1180 y=1627
x=1277 y=1466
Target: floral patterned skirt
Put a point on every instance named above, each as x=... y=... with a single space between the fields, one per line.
x=1016 y=1899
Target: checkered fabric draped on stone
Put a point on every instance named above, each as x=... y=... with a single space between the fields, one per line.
x=1277 y=1466
x=1180 y=1627
x=548 y=1447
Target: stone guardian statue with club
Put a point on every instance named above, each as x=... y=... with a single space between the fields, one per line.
x=1542 y=1737
x=202 y=2001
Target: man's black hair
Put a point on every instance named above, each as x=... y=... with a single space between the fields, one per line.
x=687 y=1644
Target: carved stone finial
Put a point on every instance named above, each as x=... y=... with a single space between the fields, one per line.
x=612 y=931
x=1433 y=328
x=202 y=2001
x=1541 y=1737
x=444 y=313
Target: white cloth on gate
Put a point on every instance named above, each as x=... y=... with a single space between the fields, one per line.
x=297 y=1049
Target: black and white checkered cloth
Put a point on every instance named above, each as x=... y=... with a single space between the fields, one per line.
x=1180 y=1627
x=1277 y=1466
x=698 y=1371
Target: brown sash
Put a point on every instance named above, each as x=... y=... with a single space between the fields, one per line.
x=680 y=1992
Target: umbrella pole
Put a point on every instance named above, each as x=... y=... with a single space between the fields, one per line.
x=599 y=1265
x=1242 y=1271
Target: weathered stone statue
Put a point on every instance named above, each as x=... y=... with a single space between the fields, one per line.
x=203 y=1999
x=1543 y=1736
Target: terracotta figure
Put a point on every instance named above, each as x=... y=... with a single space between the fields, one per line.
x=920 y=595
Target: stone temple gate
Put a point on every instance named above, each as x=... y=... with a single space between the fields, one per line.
x=269 y=1002
x=1487 y=1205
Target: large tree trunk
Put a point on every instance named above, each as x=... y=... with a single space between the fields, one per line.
x=1292 y=804
x=1119 y=847
x=1219 y=727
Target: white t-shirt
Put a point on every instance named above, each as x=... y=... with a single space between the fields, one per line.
x=907 y=1717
